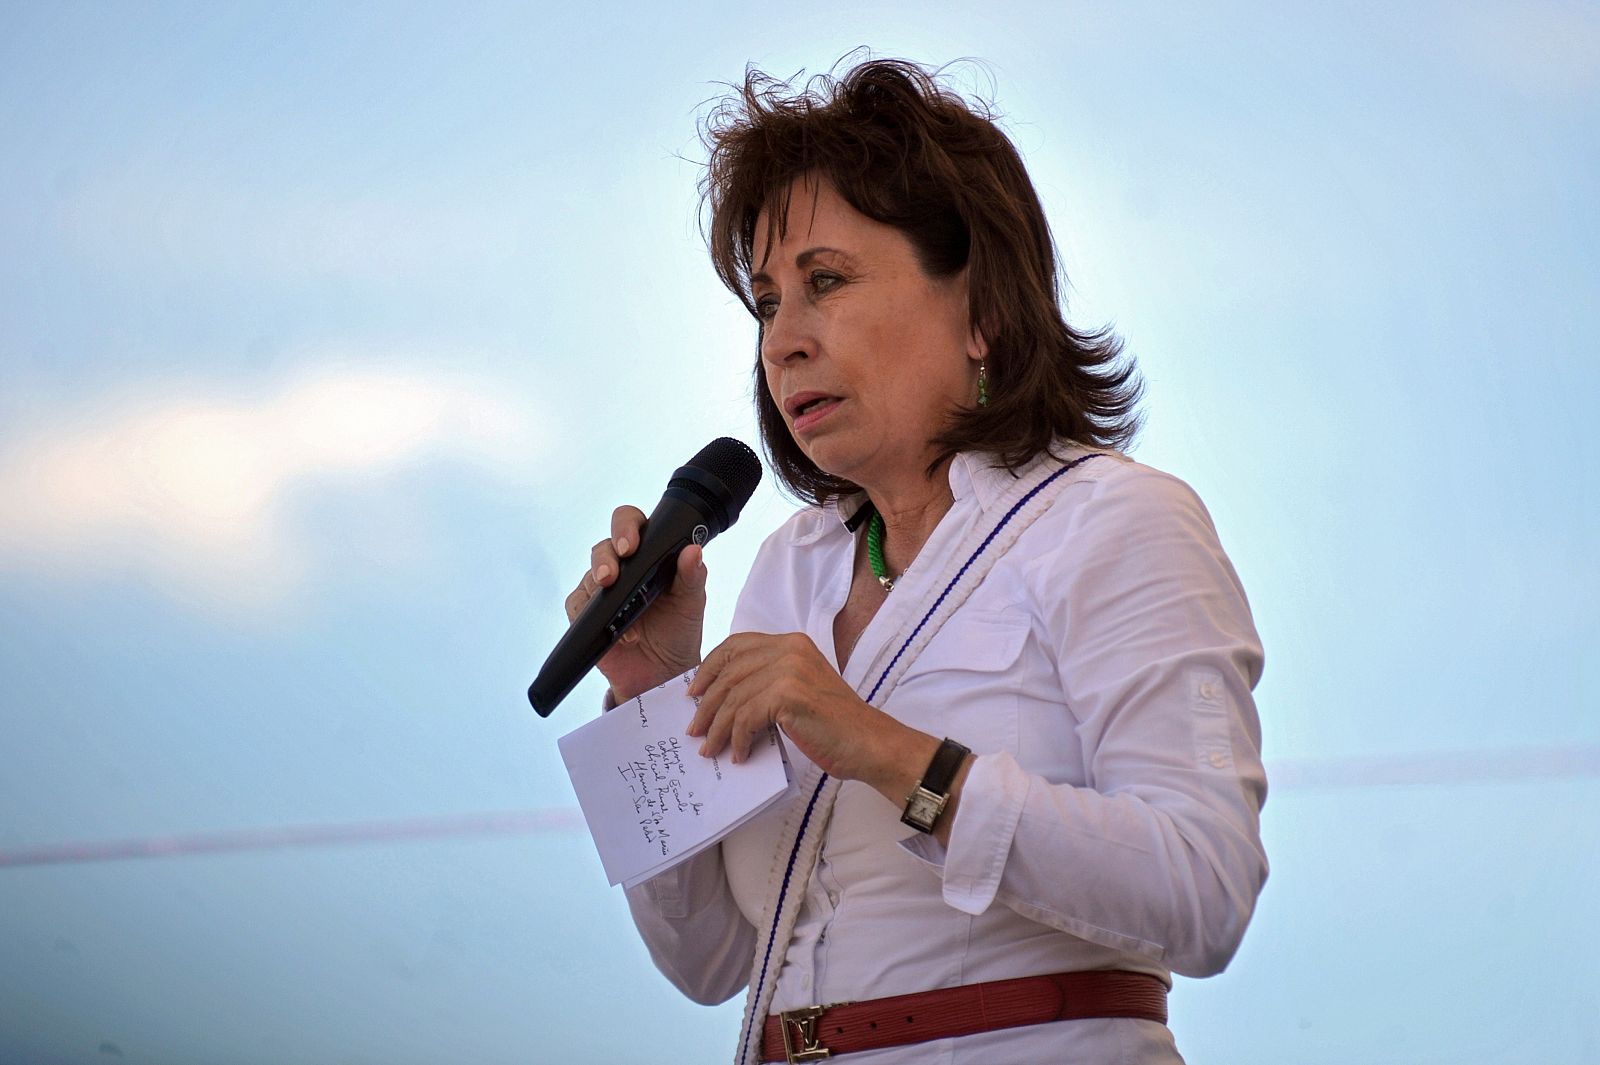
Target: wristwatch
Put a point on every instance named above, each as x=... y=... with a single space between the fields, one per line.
x=927 y=801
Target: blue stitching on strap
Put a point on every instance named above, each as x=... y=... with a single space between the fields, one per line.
x=783 y=893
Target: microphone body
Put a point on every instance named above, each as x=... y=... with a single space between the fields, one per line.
x=702 y=499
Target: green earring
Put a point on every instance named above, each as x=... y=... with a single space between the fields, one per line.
x=983 y=384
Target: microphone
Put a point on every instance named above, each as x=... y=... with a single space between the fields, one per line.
x=702 y=499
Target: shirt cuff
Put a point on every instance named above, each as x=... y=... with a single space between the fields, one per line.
x=991 y=804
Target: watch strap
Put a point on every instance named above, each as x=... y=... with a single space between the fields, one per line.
x=942 y=770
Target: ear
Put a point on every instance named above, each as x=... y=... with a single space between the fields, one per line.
x=977 y=344
x=977 y=335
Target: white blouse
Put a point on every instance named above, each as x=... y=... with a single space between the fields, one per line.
x=1102 y=674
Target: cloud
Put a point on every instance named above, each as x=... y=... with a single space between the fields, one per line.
x=189 y=486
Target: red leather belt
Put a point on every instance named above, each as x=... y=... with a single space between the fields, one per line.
x=817 y=1032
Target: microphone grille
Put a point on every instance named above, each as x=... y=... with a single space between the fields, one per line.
x=733 y=463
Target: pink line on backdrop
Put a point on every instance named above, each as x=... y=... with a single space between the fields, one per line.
x=1503 y=766
x=1478 y=767
x=506 y=823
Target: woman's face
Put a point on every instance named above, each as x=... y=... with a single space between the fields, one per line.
x=865 y=355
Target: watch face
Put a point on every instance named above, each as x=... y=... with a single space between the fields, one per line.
x=923 y=809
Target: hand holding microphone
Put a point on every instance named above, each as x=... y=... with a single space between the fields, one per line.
x=666 y=640
x=650 y=561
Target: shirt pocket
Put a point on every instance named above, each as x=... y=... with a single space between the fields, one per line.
x=964 y=684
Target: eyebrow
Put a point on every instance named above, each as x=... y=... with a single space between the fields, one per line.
x=802 y=261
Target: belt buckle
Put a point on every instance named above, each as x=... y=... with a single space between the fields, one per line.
x=804 y=1024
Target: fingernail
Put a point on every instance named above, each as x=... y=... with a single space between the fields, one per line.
x=703 y=751
x=622 y=544
x=602 y=571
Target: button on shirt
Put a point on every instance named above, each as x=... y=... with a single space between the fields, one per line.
x=1102 y=674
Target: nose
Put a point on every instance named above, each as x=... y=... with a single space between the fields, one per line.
x=787 y=336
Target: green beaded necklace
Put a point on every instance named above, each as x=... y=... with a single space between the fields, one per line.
x=875 y=552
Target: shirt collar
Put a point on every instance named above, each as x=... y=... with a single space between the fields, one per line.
x=972 y=473
x=978 y=474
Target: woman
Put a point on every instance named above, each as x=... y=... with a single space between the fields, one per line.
x=1013 y=666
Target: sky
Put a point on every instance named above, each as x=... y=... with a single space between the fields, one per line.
x=331 y=334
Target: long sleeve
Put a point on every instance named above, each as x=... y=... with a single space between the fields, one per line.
x=1156 y=851
x=695 y=933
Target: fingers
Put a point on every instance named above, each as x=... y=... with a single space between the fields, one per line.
x=691 y=569
x=741 y=689
x=714 y=687
x=602 y=571
x=723 y=656
x=580 y=596
x=752 y=682
x=705 y=709
x=744 y=732
x=626 y=525
x=605 y=561
x=737 y=727
x=605 y=557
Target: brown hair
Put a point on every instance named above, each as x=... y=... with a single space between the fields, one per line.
x=904 y=150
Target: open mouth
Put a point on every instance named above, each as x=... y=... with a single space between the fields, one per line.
x=803 y=403
x=806 y=409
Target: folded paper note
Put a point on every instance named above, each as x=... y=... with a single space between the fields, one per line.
x=650 y=799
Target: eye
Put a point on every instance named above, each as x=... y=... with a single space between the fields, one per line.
x=823 y=281
x=766 y=307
